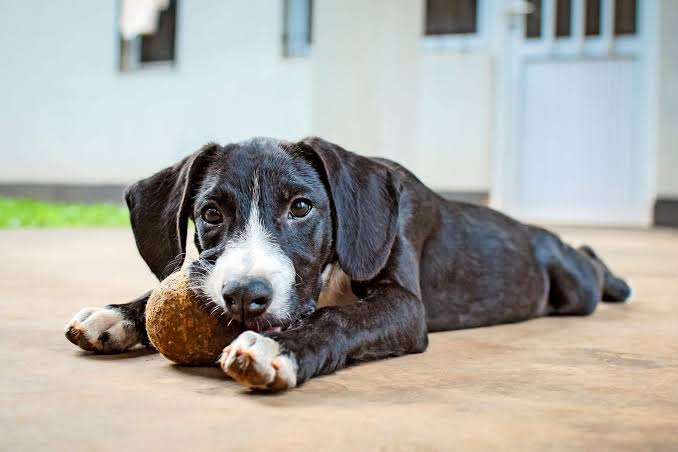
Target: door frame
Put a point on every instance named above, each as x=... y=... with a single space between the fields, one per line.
x=505 y=159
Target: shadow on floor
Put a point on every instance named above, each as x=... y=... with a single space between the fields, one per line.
x=136 y=353
x=213 y=372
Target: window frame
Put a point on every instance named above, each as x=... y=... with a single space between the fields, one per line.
x=303 y=50
x=130 y=51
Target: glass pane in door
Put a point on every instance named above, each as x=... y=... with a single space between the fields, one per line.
x=592 y=24
x=563 y=18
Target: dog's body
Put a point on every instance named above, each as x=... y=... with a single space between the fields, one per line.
x=327 y=258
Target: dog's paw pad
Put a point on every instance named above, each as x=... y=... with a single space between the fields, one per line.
x=256 y=361
x=101 y=330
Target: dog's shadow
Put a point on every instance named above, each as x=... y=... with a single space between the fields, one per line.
x=225 y=385
x=211 y=372
x=136 y=353
x=309 y=394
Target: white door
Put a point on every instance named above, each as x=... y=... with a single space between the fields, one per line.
x=576 y=148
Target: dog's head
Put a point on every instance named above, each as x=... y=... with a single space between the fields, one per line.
x=269 y=216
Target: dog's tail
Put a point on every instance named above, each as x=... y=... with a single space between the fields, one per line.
x=615 y=290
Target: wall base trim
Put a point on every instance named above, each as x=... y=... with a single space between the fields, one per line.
x=666 y=212
x=474 y=197
x=87 y=193
x=665 y=209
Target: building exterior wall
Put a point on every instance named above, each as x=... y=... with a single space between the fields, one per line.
x=454 y=120
x=364 y=74
x=378 y=90
x=68 y=115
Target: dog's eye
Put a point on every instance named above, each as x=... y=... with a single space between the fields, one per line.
x=300 y=208
x=211 y=215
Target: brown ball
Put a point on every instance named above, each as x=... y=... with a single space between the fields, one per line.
x=181 y=327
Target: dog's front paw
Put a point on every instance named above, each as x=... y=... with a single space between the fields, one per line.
x=256 y=361
x=102 y=330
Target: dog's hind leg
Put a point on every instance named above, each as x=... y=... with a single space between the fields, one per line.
x=575 y=279
x=615 y=289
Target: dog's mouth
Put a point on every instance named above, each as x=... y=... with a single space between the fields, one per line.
x=262 y=326
x=269 y=324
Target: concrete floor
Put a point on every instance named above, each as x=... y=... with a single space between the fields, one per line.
x=606 y=382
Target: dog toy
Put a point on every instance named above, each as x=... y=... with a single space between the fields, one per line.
x=181 y=327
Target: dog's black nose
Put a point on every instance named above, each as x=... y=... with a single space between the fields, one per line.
x=249 y=298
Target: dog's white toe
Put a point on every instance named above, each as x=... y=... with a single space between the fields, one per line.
x=101 y=330
x=256 y=361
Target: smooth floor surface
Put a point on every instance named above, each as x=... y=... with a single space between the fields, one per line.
x=605 y=382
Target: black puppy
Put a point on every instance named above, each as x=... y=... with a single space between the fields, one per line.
x=326 y=258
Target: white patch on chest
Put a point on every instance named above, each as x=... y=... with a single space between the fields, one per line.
x=336 y=289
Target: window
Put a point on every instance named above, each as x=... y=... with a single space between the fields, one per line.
x=147 y=33
x=298 y=20
x=451 y=17
x=533 y=21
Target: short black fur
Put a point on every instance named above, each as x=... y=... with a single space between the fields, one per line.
x=417 y=262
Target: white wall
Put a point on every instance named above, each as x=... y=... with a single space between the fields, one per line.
x=67 y=114
x=362 y=82
x=377 y=90
x=454 y=118
x=667 y=174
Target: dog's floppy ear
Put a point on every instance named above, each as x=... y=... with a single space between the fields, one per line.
x=364 y=195
x=159 y=208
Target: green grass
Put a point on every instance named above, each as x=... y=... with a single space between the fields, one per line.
x=29 y=213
